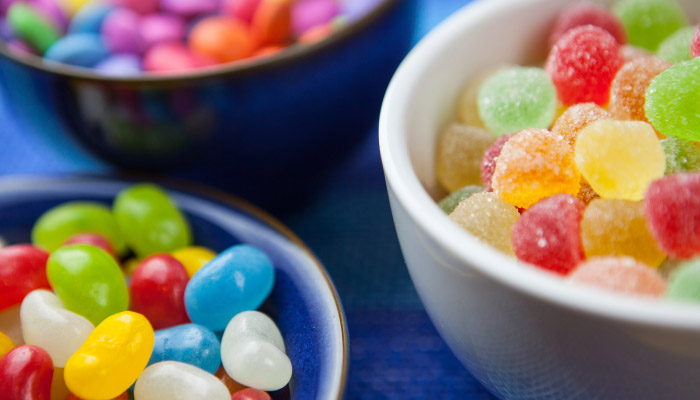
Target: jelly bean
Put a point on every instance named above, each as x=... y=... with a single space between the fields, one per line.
x=221 y=38
x=676 y=47
x=253 y=352
x=46 y=323
x=6 y=344
x=585 y=13
x=32 y=27
x=10 y=324
x=111 y=358
x=59 y=390
x=243 y=10
x=89 y=19
x=684 y=282
x=451 y=201
x=648 y=22
x=26 y=373
x=238 y=279
x=88 y=281
x=22 y=269
x=458 y=155
x=140 y=6
x=172 y=57
x=176 y=380
x=488 y=218
x=193 y=258
x=120 y=65
x=628 y=89
x=191 y=344
x=681 y=155
x=120 y=31
x=92 y=239
x=488 y=161
x=161 y=28
x=576 y=117
x=80 y=49
x=58 y=224
x=272 y=22
x=695 y=45
x=123 y=396
x=150 y=221
x=307 y=14
x=157 y=289
x=250 y=394
x=619 y=274
x=230 y=383
x=53 y=13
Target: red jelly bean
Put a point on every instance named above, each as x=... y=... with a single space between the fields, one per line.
x=548 y=234
x=672 y=207
x=488 y=162
x=695 y=45
x=250 y=394
x=157 y=291
x=582 y=65
x=92 y=239
x=587 y=14
x=26 y=373
x=22 y=269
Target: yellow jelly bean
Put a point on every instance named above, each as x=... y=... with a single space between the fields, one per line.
x=193 y=258
x=6 y=344
x=112 y=357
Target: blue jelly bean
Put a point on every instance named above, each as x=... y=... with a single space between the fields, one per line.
x=239 y=279
x=190 y=343
x=80 y=49
x=120 y=65
x=89 y=18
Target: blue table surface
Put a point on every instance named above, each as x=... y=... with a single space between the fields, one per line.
x=396 y=351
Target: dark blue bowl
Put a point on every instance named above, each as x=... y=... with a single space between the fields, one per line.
x=303 y=303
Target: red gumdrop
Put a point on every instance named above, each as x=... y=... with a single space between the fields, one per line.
x=585 y=13
x=250 y=394
x=92 y=239
x=672 y=207
x=22 y=269
x=157 y=290
x=173 y=57
x=695 y=45
x=488 y=162
x=26 y=373
x=548 y=234
x=583 y=64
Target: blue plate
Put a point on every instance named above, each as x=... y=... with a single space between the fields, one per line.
x=304 y=302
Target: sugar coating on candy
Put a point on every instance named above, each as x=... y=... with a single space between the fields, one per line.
x=584 y=13
x=672 y=100
x=489 y=218
x=586 y=193
x=458 y=158
x=467 y=106
x=548 y=234
x=672 y=208
x=695 y=45
x=619 y=158
x=571 y=121
x=630 y=52
x=582 y=65
x=649 y=22
x=488 y=161
x=535 y=164
x=450 y=201
x=619 y=274
x=681 y=155
x=628 y=89
x=619 y=228
x=676 y=48
x=684 y=282
x=517 y=98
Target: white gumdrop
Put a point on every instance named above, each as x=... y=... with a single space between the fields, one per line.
x=173 y=380
x=253 y=353
x=46 y=323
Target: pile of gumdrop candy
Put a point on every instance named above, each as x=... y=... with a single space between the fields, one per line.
x=91 y=334
x=588 y=166
x=128 y=37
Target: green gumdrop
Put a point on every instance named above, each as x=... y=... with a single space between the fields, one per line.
x=65 y=220
x=681 y=155
x=672 y=101
x=149 y=221
x=32 y=27
x=649 y=22
x=684 y=282
x=88 y=281
x=676 y=48
x=517 y=98
x=451 y=201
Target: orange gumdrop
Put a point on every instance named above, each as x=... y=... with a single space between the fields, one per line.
x=224 y=39
x=272 y=22
x=575 y=118
x=628 y=89
x=619 y=274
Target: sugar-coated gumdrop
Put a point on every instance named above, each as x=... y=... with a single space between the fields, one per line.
x=585 y=13
x=619 y=158
x=582 y=65
x=684 y=282
x=695 y=45
x=649 y=22
x=221 y=38
x=535 y=164
x=450 y=201
x=458 y=155
x=250 y=394
x=672 y=103
x=575 y=118
x=6 y=344
x=488 y=161
x=22 y=269
x=681 y=155
x=630 y=53
x=628 y=89
x=489 y=218
x=193 y=258
x=467 y=106
x=619 y=228
x=176 y=380
x=586 y=193
x=672 y=208
x=548 y=234
x=517 y=98
x=676 y=48
x=26 y=373
x=619 y=274
x=189 y=343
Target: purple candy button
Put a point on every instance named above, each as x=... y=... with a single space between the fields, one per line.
x=159 y=28
x=120 y=31
x=309 y=13
x=189 y=8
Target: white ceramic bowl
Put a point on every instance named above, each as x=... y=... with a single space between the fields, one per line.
x=522 y=332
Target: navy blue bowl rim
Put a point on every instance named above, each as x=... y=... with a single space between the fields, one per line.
x=286 y=56
x=19 y=182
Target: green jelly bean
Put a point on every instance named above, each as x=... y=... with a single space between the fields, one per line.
x=63 y=221
x=684 y=282
x=88 y=281
x=150 y=221
x=676 y=48
x=649 y=22
x=32 y=27
x=450 y=201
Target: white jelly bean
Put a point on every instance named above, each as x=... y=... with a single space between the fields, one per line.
x=253 y=353
x=46 y=323
x=174 y=380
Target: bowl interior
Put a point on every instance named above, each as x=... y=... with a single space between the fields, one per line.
x=303 y=303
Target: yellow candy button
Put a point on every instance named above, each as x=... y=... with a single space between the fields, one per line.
x=193 y=258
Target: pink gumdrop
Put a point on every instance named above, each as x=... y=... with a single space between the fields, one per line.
x=619 y=274
x=695 y=46
x=587 y=14
x=173 y=57
x=488 y=162
x=548 y=234
x=190 y=8
x=307 y=14
x=582 y=65
x=92 y=239
x=250 y=394
x=120 y=31
x=672 y=207
x=160 y=28
x=244 y=10
x=142 y=7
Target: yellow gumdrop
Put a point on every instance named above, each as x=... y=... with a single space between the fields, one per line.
x=193 y=258
x=619 y=158
x=112 y=357
x=6 y=344
x=488 y=218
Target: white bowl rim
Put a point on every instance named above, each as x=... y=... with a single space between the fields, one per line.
x=421 y=208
